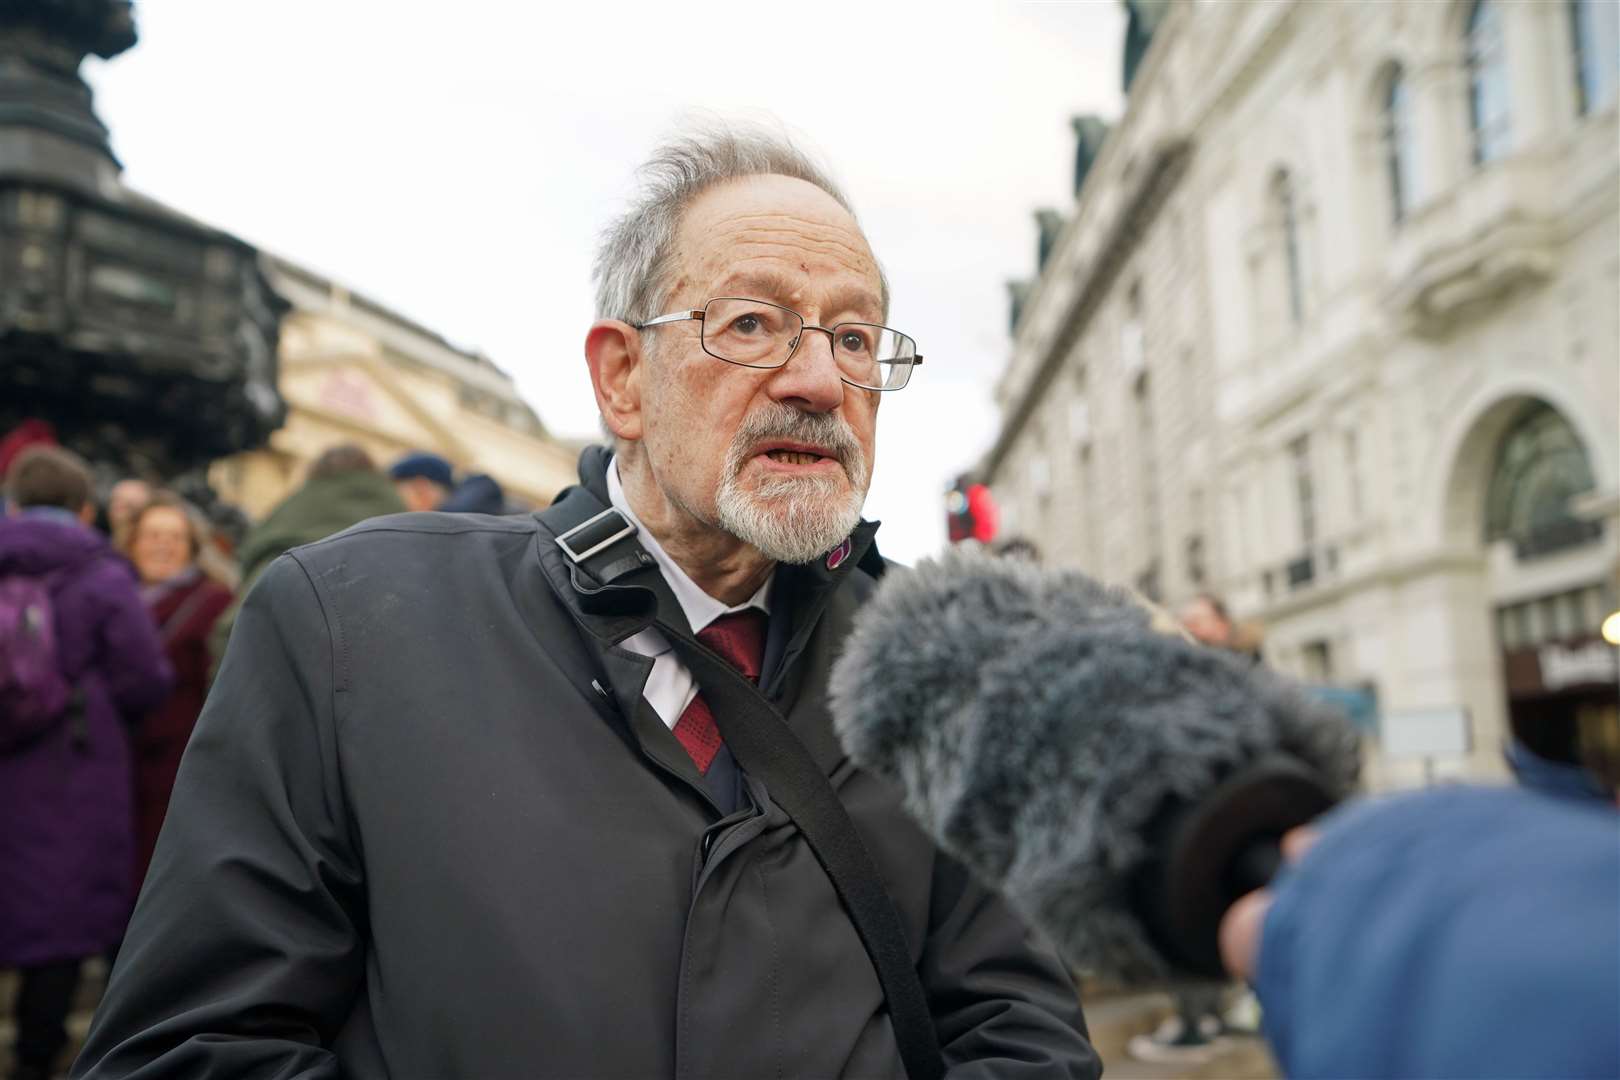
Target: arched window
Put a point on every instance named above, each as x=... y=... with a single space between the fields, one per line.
x=1540 y=466
x=1490 y=113
x=1595 y=25
x=1400 y=155
x=1285 y=211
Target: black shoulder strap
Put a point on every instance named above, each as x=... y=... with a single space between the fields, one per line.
x=765 y=746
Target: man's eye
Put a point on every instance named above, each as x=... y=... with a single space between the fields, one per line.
x=853 y=342
x=747 y=324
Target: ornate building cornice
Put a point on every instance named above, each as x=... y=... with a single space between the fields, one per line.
x=1158 y=177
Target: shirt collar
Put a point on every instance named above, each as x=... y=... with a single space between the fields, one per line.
x=699 y=607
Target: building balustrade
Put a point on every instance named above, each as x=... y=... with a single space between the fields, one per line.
x=1491 y=234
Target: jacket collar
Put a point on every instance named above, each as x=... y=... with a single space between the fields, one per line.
x=629 y=603
x=698 y=606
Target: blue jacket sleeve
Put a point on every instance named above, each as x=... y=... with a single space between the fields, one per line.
x=1460 y=931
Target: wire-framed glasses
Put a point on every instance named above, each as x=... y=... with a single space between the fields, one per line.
x=759 y=334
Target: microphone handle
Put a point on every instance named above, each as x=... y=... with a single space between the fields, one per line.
x=1254 y=866
x=1214 y=849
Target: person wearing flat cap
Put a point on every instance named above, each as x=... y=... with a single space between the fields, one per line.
x=423 y=480
x=427 y=482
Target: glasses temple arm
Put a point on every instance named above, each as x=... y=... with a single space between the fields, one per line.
x=678 y=316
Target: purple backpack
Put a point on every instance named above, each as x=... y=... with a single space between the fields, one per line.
x=33 y=693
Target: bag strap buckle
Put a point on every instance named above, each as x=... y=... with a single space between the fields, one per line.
x=594 y=535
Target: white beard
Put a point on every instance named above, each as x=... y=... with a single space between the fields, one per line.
x=791 y=519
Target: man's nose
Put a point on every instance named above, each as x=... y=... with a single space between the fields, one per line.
x=810 y=379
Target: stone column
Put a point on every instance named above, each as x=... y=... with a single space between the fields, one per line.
x=1442 y=653
x=1440 y=119
x=1540 y=71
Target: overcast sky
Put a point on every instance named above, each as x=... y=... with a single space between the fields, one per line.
x=456 y=162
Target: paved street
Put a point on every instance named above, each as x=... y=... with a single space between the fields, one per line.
x=78 y=1022
x=1114 y=1017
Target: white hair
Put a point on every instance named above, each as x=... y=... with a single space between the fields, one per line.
x=637 y=250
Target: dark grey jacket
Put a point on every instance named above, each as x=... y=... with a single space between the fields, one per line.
x=410 y=839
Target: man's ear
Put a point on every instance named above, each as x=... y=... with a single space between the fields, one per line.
x=613 y=352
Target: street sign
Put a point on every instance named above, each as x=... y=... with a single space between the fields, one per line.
x=1443 y=731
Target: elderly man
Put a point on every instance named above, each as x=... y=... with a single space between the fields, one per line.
x=557 y=795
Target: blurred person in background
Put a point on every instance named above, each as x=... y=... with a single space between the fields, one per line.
x=26 y=434
x=478 y=493
x=423 y=480
x=125 y=498
x=79 y=660
x=1206 y=618
x=427 y=482
x=1194 y=1033
x=343 y=487
x=165 y=540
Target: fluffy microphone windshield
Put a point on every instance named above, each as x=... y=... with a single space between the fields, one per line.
x=1039 y=726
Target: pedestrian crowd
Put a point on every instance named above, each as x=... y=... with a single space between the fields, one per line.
x=114 y=612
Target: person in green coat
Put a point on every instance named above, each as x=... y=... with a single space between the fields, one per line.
x=343 y=488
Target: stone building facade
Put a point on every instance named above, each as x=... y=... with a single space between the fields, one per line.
x=354 y=371
x=1331 y=330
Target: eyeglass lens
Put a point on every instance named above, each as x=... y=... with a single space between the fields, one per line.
x=754 y=333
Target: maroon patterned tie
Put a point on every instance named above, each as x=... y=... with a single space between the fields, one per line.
x=739 y=639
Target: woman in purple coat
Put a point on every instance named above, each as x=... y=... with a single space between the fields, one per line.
x=66 y=807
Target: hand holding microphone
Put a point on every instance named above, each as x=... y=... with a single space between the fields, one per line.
x=1244 y=920
x=1128 y=791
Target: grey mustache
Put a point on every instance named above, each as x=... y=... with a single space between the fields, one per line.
x=822 y=429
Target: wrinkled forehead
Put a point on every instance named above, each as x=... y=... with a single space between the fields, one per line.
x=779 y=239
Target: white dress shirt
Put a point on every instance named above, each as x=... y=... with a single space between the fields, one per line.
x=670 y=687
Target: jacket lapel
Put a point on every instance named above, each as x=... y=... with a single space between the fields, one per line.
x=608 y=614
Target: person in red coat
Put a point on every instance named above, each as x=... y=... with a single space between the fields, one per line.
x=165 y=540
